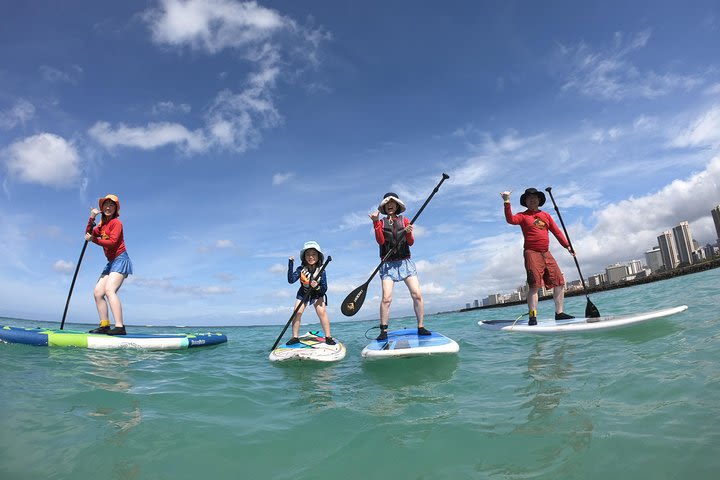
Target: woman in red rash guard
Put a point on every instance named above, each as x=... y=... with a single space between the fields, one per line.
x=109 y=235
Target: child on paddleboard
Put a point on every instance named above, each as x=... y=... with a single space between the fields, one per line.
x=312 y=289
x=394 y=235
x=540 y=265
x=109 y=235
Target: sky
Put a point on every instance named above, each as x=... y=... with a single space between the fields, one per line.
x=233 y=132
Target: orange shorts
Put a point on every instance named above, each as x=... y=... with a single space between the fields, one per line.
x=542 y=269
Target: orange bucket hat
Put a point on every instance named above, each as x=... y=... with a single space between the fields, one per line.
x=114 y=199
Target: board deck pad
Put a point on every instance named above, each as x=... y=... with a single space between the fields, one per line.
x=407 y=342
x=578 y=325
x=311 y=347
x=50 y=337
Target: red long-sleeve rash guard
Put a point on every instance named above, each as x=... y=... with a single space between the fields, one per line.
x=535 y=226
x=109 y=236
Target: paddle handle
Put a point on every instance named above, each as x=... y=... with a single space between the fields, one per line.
x=445 y=176
x=304 y=299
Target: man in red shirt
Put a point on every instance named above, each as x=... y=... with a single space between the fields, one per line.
x=540 y=265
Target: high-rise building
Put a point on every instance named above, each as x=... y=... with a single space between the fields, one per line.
x=616 y=273
x=668 y=250
x=654 y=260
x=596 y=280
x=684 y=243
x=493 y=299
x=716 y=218
x=634 y=266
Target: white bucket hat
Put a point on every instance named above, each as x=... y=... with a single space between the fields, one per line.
x=308 y=245
x=394 y=197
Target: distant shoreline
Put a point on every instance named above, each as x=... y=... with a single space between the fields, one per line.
x=655 y=277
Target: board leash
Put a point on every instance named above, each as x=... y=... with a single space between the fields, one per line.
x=518 y=318
x=378 y=327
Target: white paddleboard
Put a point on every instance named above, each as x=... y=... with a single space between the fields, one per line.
x=407 y=343
x=312 y=347
x=577 y=325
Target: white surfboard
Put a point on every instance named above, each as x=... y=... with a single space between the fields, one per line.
x=311 y=347
x=578 y=325
x=407 y=343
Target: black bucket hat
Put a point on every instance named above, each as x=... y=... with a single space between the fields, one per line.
x=532 y=191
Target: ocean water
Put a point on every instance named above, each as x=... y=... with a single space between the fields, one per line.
x=642 y=402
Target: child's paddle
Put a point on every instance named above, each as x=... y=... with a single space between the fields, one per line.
x=302 y=302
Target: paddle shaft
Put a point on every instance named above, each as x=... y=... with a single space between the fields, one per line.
x=318 y=275
x=445 y=176
x=358 y=291
x=590 y=310
x=549 y=190
x=72 y=284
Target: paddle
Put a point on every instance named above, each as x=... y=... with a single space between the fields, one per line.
x=591 y=310
x=352 y=303
x=72 y=284
x=305 y=297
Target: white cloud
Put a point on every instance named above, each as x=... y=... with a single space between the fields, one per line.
x=713 y=89
x=611 y=75
x=276 y=45
x=70 y=75
x=419 y=230
x=63 y=266
x=154 y=135
x=431 y=288
x=280 y=178
x=18 y=114
x=630 y=227
x=705 y=131
x=169 y=285
x=645 y=123
x=235 y=120
x=224 y=244
x=213 y=25
x=45 y=159
x=277 y=268
x=475 y=170
x=226 y=277
x=168 y=107
x=354 y=220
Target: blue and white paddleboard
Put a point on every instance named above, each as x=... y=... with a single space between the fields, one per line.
x=578 y=325
x=49 y=337
x=311 y=347
x=407 y=343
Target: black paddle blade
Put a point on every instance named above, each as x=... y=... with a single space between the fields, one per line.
x=591 y=310
x=352 y=303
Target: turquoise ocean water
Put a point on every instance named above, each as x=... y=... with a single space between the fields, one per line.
x=643 y=402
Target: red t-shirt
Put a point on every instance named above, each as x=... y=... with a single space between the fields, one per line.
x=535 y=226
x=109 y=236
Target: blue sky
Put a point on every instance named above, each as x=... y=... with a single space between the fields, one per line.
x=235 y=131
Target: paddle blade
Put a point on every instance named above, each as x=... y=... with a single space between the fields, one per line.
x=591 y=310
x=352 y=303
